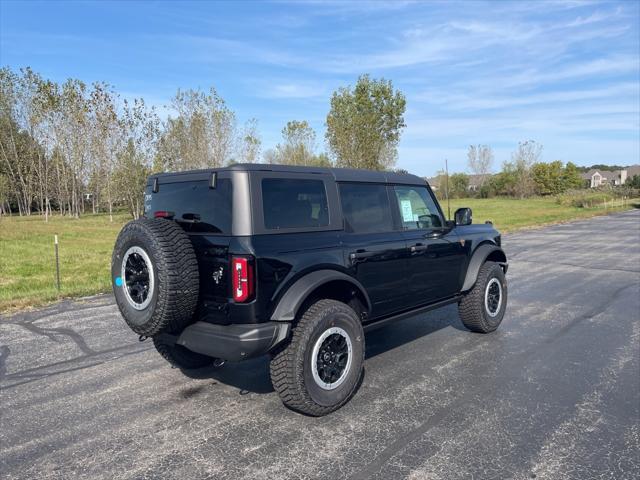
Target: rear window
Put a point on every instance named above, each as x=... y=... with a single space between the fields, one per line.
x=196 y=207
x=365 y=208
x=294 y=203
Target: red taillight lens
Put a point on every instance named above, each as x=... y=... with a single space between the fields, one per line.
x=242 y=273
x=163 y=214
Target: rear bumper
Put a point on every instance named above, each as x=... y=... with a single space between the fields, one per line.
x=232 y=342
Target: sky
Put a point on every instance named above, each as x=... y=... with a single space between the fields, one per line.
x=563 y=73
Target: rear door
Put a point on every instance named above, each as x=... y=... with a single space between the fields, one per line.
x=436 y=255
x=204 y=210
x=374 y=250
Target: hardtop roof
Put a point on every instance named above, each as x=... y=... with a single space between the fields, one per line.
x=339 y=174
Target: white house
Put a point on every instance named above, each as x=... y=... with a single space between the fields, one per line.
x=598 y=178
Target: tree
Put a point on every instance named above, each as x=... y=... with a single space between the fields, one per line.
x=251 y=142
x=5 y=194
x=270 y=156
x=298 y=147
x=504 y=182
x=21 y=155
x=480 y=161
x=321 y=160
x=107 y=138
x=140 y=127
x=552 y=178
x=458 y=185
x=571 y=177
x=547 y=178
x=528 y=153
x=634 y=182
x=364 y=124
x=203 y=135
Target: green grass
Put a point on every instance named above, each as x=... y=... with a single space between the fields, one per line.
x=27 y=262
x=509 y=214
x=27 y=259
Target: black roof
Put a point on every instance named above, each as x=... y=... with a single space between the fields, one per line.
x=339 y=174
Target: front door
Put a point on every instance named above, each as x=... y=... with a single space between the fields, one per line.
x=435 y=253
x=375 y=251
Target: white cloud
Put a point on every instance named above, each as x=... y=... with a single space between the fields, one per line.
x=291 y=90
x=483 y=101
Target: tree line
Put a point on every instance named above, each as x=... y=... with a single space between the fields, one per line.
x=524 y=175
x=68 y=148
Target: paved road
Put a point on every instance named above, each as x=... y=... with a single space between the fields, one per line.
x=553 y=394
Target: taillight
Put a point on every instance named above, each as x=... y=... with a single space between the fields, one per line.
x=242 y=272
x=163 y=214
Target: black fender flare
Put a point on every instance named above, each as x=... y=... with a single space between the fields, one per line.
x=478 y=257
x=292 y=300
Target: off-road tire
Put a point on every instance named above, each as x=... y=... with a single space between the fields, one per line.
x=181 y=357
x=291 y=364
x=175 y=270
x=473 y=312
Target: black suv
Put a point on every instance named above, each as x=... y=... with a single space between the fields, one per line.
x=298 y=262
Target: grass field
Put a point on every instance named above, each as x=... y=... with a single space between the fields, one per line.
x=27 y=259
x=509 y=214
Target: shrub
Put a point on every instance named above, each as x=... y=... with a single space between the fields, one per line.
x=595 y=198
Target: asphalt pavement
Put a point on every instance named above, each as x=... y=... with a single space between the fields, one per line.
x=554 y=393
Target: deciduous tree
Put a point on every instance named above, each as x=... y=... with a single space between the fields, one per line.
x=364 y=124
x=480 y=161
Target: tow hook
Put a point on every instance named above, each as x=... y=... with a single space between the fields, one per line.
x=142 y=338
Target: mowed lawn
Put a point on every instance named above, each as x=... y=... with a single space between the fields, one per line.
x=27 y=259
x=510 y=214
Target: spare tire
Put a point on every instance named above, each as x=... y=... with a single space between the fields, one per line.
x=155 y=276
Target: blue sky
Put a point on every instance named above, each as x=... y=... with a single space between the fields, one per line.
x=563 y=73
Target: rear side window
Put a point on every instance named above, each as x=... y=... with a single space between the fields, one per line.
x=417 y=208
x=195 y=206
x=294 y=203
x=365 y=208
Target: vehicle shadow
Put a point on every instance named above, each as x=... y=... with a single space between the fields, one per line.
x=252 y=376
x=405 y=331
x=248 y=376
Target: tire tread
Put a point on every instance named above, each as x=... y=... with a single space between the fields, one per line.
x=287 y=363
x=471 y=307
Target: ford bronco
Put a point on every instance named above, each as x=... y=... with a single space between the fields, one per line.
x=298 y=263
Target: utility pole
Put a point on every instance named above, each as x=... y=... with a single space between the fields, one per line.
x=446 y=187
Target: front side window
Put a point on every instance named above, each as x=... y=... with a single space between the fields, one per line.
x=417 y=208
x=294 y=203
x=365 y=208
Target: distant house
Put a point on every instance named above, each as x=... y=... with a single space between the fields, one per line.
x=434 y=182
x=598 y=178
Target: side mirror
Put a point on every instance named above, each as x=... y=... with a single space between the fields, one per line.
x=463 y=216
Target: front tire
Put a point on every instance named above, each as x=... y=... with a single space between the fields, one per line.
x=321 y=368
x=482 y=308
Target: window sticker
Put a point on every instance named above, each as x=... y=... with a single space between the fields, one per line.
x=407 y=212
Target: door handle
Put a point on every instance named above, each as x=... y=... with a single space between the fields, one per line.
x=359 y=255
x=434 y=233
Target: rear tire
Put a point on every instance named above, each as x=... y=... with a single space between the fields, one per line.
x=181 y=357
x=322 y=366
x=155 y=276
x=482 y=308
